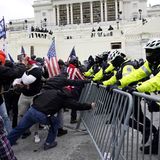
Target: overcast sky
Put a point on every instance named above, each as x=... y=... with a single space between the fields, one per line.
x=15 y=9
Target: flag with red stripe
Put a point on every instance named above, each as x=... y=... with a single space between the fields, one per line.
x=51 y=61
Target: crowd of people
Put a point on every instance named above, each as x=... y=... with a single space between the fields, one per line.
x=36 y=99
x=101 y=33
x=37 y=32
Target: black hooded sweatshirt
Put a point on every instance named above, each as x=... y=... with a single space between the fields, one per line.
x=54 y=96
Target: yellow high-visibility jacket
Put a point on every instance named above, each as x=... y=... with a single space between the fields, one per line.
x=89 y=73
x=135 y=76
x=126 y=69
x=99 y=75
x=150 y=85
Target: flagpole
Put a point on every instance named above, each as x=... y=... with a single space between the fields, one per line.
x=4 y=38
x=4 y=27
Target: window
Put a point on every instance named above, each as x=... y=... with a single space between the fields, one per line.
x=111 y=10
x=76 y=13
x=86 y=12
x=96 y=11
x=116 y=45
x=62 y=14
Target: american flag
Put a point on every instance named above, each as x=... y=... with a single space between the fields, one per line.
x=51 y=61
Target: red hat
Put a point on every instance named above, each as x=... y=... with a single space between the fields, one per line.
x=30 y=61
x=2 y=57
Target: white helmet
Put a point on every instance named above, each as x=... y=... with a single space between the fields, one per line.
x=113 y=54
x=153 y=44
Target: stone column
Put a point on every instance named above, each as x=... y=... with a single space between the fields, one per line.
x=58 y=15
x=81 y=12
x=116 y=9
x=67 y=6
x=101 y=10
x=121 y=8
x=105 y=10
x=91 y=12
x=54 y=16
x=71 y=8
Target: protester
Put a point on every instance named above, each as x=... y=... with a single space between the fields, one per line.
x=30 y=84
x=10 y=95
x=51 y=99
x=74 y=74
x=60 y=114
x=7 y=74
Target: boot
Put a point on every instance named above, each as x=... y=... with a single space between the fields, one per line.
x=61 y=132
x=49 y=146
x=154 y=149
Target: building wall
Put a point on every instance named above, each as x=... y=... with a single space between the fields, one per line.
x=131 y=33
x=153 y=11
x=67 y=12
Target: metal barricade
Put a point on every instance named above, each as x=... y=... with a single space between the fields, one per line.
x=143 y=131
x=108 y=123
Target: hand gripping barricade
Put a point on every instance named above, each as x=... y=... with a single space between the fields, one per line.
x=115 y=129
x=108 y=123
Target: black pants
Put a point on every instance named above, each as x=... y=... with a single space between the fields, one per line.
x=11 y=101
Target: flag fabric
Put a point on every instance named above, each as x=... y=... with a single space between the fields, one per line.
x=2 y=29
x=72 y=54
x=51 y=61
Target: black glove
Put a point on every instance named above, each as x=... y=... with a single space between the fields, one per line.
x=87 y=81
x=89 y=77
x=111 y=87
x=99 y=83
x=129 y=89
x=153 y=106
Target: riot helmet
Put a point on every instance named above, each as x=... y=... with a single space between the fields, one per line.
x=152 y=50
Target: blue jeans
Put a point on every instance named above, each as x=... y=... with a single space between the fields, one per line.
x=4 y=115
x=31 y=117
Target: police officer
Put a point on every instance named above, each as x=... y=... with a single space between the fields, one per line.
x=151 y=66
x=95 y=67
x=124 y=67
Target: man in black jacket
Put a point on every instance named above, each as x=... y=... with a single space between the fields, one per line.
x=46 y=104
x=7 y=74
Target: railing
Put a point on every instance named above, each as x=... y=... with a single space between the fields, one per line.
x=143 y=130
x=108 y=124
x=120 y=127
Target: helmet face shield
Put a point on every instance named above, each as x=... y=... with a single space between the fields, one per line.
x=152 y=56
x=149 y=54
x=152 y=49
